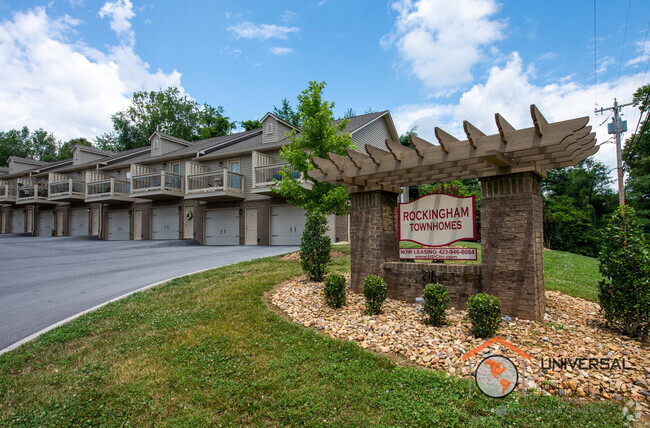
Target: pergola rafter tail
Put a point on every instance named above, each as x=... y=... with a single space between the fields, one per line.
x=536 y=149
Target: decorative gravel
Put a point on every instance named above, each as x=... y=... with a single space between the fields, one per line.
x=572 y=329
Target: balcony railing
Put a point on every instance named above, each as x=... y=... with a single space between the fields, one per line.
x=264 y=175
x=216 y=181
x=32 y=192
x=7 y=192
x=107 y=188
x=159 y=181
x=68 y=187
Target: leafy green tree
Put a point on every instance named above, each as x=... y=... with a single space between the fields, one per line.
x=636 y=158
x=65 y=151
x=287 y=113
x=318 y=136
x=166 y=111
x=14 y=143
x=349 y=113
x=250 y=125
x=624 y=292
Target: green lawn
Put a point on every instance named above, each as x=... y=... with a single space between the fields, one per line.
x=206 y=350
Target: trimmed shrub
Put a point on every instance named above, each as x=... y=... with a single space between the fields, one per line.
x=484 y=312
x=335 y=290
x=436 y=303
x=374 y=291
x=315 y=246
x=624 y=291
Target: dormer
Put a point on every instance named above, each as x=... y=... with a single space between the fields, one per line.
x=162 y=144
x=17 y=164
x=83 y=154
x=274 y=129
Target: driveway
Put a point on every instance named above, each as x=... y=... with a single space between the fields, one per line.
x=46 y=280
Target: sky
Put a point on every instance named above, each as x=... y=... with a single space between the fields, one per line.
x=67 y=65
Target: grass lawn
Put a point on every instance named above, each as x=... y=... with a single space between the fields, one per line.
x=206 y=350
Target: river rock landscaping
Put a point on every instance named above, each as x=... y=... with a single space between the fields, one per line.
x=572 y=329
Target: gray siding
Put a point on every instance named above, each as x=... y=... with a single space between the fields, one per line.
x=279 y=131
x=374 y=134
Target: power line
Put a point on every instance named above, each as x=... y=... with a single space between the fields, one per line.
x=638 y=67
x=595 y=59
x=620 y=63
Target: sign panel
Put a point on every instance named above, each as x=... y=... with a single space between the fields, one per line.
x=437 y=220
x=447 y=253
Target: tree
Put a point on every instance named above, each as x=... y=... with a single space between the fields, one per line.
x=287 y=114
x=38 y=145
x=250 y=125
x=65 y=151
x=318 y=136
x=166 y=111
x=636 y=158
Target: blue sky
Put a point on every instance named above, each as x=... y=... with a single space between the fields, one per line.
x=67 y=65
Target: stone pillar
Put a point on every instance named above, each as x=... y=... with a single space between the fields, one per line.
x=512 y=243
x=373 y=234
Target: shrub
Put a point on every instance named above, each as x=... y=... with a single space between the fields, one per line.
x=624 y=291
x=374 y=291
x=335 y=290
x=436 y=303
x=315 y=246
x=484 y=312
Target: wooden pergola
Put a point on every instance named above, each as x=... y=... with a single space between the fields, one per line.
x=536 y=149
x=509 y=165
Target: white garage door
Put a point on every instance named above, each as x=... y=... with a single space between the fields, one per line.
x=79 y=222
x=118 y=226
x=287 y=224
x=17 y=221
x=164 y=223
x=222 y=227
x=45 y=223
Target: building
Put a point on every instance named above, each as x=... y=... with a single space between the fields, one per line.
x=217 y=191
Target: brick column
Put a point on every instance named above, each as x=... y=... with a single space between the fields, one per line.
x=373 y=234
x=512 y=243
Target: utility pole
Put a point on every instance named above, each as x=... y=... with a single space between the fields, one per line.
x=617 y=127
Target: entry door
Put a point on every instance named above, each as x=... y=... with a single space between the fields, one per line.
x=222 y=227
x=164 y=223
x=251 y=226
x=287 y=224
x=79 y=222
x=118 y=226
x=59 y=223
x=45 y=223
x=17 y=221
x=234 y=179
x=188 y=225
x=95 y=224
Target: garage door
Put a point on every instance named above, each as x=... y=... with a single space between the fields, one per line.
x=118 y=226
x=222 y=227
x=287 y=224
x=46 y=223
x=17 y=221
x=164 y=223
x=79 y=222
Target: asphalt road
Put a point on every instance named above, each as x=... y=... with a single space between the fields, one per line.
x=46 y=280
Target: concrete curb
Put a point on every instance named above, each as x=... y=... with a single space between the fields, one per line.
x=94 y=308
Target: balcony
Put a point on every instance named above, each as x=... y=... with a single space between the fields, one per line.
x=7 y=192
x=158 y=185
x=215 y=186
x=265 y=176
x=34 y=193
x=108 y=191
x=69 y=190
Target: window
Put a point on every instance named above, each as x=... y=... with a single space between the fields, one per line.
x=76 y=155
x=269 y=128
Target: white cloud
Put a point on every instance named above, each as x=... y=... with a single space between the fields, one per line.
x=509 y=90
x=288 y=16
x=249 y=30
x=76 y=3
x=65 y=87
x=441 y=40
x=604 y=63
x=120 y=13
x=644 y=53
x=277 y=50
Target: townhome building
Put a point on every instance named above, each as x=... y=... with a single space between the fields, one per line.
x=217 y=191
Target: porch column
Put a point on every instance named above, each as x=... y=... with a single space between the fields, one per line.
x=512 y=243
x=373 y=234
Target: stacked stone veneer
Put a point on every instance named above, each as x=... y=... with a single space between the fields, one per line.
x=512 y=249
x=512 y=246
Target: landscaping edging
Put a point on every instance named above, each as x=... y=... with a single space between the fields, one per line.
x=572 y=329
